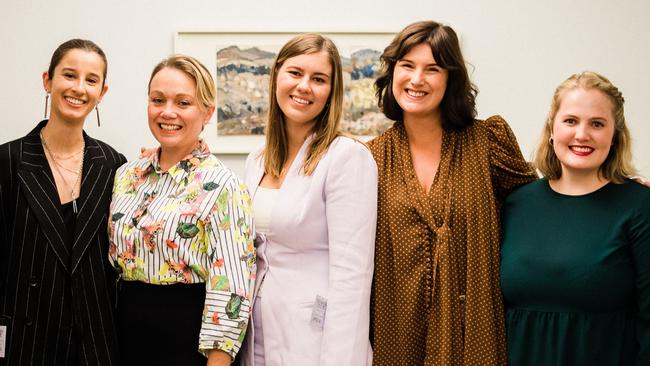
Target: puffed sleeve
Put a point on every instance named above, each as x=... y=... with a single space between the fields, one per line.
x=351 y=206
x=229 y=283
x=639 y=234
x=508 y=167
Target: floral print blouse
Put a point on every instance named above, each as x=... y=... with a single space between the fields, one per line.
x=190 y=224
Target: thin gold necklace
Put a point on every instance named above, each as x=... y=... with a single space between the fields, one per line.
x=70 y=156
x=57 y=165
x=75 y=171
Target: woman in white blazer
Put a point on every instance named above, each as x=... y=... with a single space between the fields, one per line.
x=315 y=199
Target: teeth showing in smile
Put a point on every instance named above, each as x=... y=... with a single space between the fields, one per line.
x=169 y=127
x=582 y=149
x=414 y=93
x=300 y=100
x=74 y=101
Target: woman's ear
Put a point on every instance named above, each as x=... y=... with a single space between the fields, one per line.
x=101 y=95
x=46 y=81
x=208 y=115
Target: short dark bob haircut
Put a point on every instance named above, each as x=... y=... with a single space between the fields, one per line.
x=458 y=106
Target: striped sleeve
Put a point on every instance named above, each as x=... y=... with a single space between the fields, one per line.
x=231 y=273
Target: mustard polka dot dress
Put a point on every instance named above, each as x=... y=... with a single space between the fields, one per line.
x=436 y=296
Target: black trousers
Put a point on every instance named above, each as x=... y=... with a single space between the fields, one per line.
x=160 y=324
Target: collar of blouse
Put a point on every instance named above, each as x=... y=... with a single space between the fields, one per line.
x=183 y=168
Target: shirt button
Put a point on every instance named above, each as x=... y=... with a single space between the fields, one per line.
x=32 y=281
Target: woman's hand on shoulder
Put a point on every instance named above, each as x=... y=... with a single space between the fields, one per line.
x=640 y=180
x=146 y=152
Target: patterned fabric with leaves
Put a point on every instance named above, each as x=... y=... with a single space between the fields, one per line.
x=190 y=224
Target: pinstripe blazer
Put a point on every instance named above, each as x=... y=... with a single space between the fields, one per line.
x=56 y=302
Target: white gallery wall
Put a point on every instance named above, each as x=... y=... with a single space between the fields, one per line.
x=520 y=51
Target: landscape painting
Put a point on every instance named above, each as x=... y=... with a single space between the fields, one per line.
x=242 y=65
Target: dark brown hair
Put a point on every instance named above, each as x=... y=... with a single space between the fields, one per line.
x=458 y=106
x=75 y=44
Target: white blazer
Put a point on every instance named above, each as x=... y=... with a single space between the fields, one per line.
x=320 y=243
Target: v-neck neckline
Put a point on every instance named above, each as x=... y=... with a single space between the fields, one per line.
x=435 y=217
x=409 y=170
x=292 y=167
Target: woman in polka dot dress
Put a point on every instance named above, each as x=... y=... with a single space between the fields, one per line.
x=442 y=177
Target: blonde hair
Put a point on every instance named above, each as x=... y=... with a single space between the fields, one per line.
x=205 y=90
x=618 y=164
x=326 y=128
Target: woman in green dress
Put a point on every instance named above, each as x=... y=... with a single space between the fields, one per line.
x=575 y=265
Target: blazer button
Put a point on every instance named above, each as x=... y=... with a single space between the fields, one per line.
x=28 y=321
x=32 y=281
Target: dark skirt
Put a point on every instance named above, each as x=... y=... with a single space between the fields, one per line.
x=160 y=324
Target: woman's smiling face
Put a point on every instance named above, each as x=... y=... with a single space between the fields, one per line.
x=175 y=115
x=419 y=83
x=303 y=87
x=77 y=85
x=583 y=131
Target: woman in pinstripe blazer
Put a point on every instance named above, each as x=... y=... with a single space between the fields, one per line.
x=56 y=285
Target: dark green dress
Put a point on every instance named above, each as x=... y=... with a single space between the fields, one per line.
x=575 y=276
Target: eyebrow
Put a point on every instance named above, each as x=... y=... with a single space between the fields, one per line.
x=600 y=118
x=301 y=69
x=411 y=61
x=183 y=95
x=75 y=70
x=176 y=96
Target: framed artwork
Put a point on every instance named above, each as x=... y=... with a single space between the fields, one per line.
x=241 y=63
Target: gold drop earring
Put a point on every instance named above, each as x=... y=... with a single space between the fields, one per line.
x=97 y=112
x=47 y=99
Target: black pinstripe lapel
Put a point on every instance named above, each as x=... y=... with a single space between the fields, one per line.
x=96 y=186
x=37 y=184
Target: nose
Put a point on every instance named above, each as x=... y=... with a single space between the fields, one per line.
x=168 y=111
x=303 y=84
x=582 y=132
x=417 y=77
x=79 y=86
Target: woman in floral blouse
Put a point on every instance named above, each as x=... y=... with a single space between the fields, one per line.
x=180 y=231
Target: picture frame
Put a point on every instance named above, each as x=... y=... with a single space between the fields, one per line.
x=240 y=63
